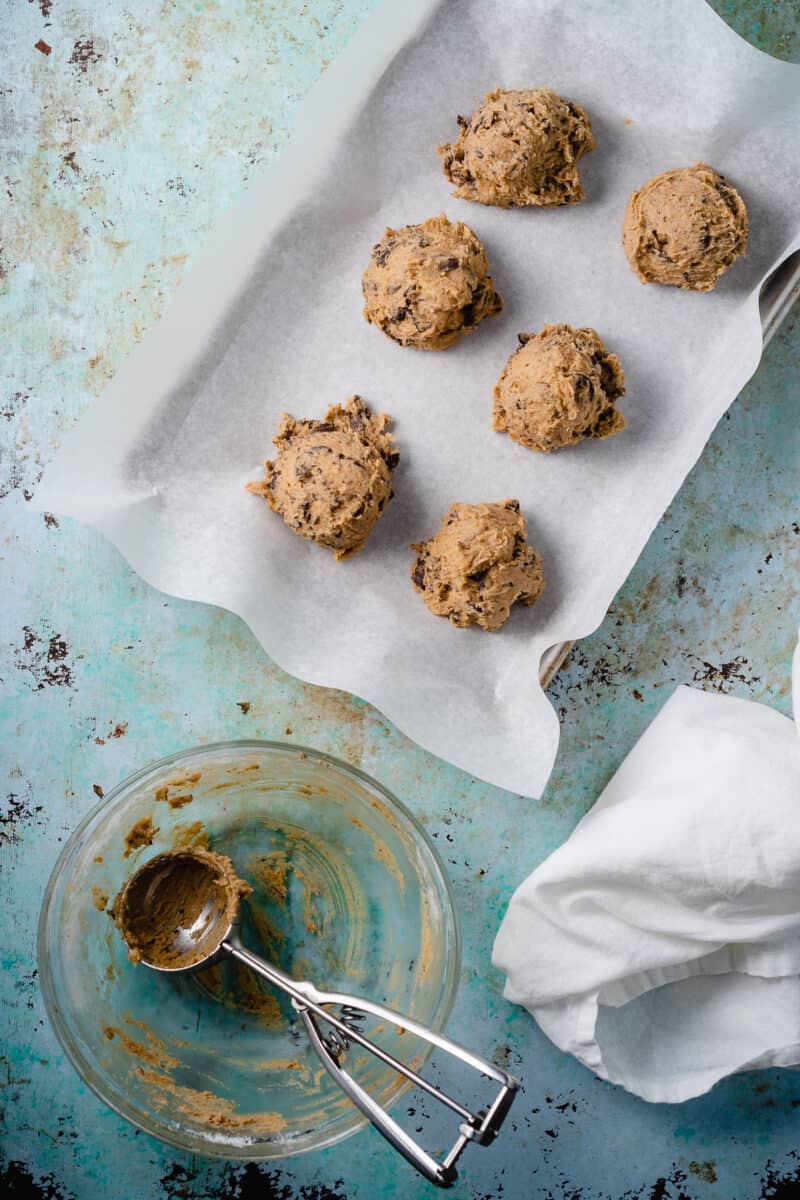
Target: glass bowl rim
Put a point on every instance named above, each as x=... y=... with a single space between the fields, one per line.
x=147 y=1122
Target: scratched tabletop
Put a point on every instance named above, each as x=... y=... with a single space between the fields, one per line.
x=125 y=130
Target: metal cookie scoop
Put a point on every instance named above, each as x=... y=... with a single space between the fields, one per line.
x=178 y=913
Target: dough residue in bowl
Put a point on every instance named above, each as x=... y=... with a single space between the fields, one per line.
x=140 y=834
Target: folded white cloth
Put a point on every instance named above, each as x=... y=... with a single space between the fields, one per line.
x=661 y=943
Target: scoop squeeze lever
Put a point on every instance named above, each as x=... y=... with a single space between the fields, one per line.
x=175 y=932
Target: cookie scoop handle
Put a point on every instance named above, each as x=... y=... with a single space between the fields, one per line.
x=331 y=1044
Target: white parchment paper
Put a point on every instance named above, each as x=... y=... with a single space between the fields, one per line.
x=270 y=320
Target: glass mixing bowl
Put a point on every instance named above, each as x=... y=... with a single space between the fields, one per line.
x=348 y=891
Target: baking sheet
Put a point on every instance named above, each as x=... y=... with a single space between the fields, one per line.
x=269 y=320
x=779 y=292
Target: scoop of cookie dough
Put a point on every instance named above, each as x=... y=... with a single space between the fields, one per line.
x=520 y=148
x=685 y=227
x=183 y=889
x=332 y=479
x=478 y=565
x=560 y=387
x=428 y=284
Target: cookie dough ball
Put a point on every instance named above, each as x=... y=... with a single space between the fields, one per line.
x=520 y=148
x=560 y=387
x=685 y=227
x=332 y=479
x=478 y=565
x=428 y=284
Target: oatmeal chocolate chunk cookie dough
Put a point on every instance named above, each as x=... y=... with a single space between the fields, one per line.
x=332 y=479
x=150 y=914
x=560 y=387
x=428 y=284
x=478 y=565
x=520 y=148
x=685 y=227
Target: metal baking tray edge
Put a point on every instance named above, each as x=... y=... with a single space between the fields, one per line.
x=778 y=294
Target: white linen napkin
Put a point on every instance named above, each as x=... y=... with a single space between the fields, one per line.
x=661 y=943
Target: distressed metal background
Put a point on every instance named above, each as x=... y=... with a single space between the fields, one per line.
x=124 y=131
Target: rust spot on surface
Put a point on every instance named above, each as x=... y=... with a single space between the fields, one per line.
x=723 y=678
x=15 y=404
x=50 y=521
x=44 y=7
x=244 y=705
x=117 y=245
x=43 y=47
x=119 y=730
x=17 y=480
x=44 y=659
x=98 y=791
x=84 y=54
x=704 y=1170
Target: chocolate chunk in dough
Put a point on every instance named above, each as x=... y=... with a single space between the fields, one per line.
x=478 y=565
x=684 y=228
x=560 y=387
x=332 y=479
x=520 y=148
x=428 y=284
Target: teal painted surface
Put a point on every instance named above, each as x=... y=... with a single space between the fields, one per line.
x=119 y=149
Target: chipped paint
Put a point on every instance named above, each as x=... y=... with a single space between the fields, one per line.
x=18 y=812
x=84 y=55
x=42 y=659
